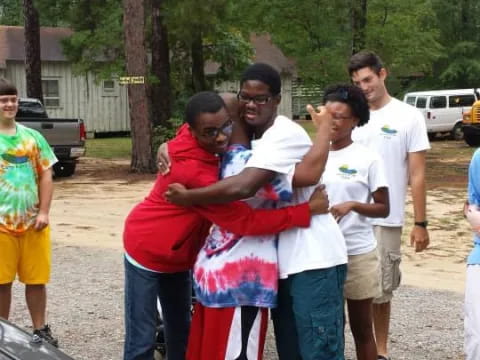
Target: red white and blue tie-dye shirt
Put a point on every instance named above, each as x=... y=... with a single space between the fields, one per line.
x=233 y=270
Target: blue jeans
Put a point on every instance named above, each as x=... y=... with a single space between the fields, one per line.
x=142 y=288
x=309 y=319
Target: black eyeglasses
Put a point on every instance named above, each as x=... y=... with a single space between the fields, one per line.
x=225 y=129
x=258 y=100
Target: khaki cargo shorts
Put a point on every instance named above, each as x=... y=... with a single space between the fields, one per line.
x=388 y=244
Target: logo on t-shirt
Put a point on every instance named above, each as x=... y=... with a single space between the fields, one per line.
x=14 y=158
x=346 y=172
x=386 y=130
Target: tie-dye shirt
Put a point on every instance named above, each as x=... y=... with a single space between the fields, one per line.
x=23 y=157
x=233 y=270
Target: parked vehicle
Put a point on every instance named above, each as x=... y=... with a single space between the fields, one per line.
x=16 y=344
x=471 y=124
x=443 y=109
x=65 y=136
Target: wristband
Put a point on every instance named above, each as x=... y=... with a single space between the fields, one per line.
x=422 y=224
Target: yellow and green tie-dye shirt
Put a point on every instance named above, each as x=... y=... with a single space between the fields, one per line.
x=23 y=157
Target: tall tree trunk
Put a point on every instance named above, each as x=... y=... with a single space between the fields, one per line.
x=136 y=63
x=161 y=91
x=359 y=25
x=33 y=67
x=198 y=63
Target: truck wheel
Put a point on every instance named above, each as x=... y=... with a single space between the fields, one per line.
x=472 y=140
x=457 y=132
x=64 y=169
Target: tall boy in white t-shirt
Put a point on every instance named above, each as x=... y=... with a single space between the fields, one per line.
x=398 y=133
x=312 y=263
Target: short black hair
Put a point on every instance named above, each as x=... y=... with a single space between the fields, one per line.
x=7 y=88
x=353 y=97
x=202 y=102
x=365 y=59
x=264 y=73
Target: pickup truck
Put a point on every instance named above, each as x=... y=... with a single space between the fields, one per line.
x=65 y=136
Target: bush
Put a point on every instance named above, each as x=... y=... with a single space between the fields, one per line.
x=162 y=133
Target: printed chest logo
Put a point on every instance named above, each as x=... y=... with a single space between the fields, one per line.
x=14 y=159
x=345 y=172
x=388 y=132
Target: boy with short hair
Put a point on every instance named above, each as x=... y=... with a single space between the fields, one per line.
x=398 y=133
x=26 y=189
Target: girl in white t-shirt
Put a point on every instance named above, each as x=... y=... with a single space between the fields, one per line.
x=353 y=177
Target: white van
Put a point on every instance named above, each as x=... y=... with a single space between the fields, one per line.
x=443 y=109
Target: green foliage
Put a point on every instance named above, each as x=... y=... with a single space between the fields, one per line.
x=404 y=34
x=231 y=50
x=463 y=70
x=162 y=133
x=460 y=35
x=11 y=13
x=313 y=32
x=318 y=34
x=97 y=43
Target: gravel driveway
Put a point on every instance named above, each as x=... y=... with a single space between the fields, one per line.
x=86 y=304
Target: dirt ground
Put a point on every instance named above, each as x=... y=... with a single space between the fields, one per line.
x=86 y=295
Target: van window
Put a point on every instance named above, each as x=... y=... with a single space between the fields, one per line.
x=410 y=100
x=461 y=100
x=438 y=102
x=421 y=102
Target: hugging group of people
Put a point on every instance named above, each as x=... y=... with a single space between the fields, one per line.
x=239 y=211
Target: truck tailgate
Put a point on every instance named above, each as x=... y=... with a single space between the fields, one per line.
x=57 y=132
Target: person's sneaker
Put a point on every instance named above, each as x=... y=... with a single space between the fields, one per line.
x=44 y=333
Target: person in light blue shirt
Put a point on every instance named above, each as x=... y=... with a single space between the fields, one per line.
x=472 y=288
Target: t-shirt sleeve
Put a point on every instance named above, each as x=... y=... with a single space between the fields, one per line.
x=376 y=174
x=280 y=148
x=46 y=156
x=474 y=179
x=417 y=135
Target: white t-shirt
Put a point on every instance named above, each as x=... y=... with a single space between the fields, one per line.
x=394 y=131
x=353 y=174
x=321 y=245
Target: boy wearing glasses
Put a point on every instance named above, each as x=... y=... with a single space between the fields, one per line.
x=161 y=240
x=308 y=311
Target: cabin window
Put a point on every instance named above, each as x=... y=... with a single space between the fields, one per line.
x=109 y=88
x=51 y=93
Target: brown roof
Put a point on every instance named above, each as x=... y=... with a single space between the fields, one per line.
x=264 y=51
x=12 y=41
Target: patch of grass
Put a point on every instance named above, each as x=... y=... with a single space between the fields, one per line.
x=109 y=148
x=308 y=126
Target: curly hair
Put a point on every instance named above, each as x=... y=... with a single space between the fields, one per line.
x=264 y=73
x=353 y=97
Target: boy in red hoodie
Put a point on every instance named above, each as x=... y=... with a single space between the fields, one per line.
x=161 y=240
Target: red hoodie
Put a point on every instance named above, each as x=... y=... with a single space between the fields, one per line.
x=165 y=237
